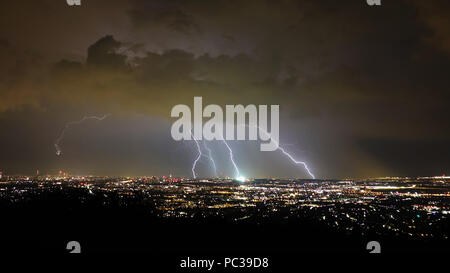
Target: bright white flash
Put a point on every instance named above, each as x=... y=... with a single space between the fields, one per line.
x=241 y=179
x=61 y=136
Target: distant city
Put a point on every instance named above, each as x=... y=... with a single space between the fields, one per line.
x=407 y=207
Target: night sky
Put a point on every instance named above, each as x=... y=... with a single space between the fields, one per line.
x=363 y=90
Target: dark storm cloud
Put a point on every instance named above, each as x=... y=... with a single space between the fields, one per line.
x=346 y=73
x=103 y=53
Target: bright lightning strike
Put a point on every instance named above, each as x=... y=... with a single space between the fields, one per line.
x=238 y=176
x=278 y=147
x=200 y=154
x=241 y=179
x=198 y=157
x=297 y=162
x=289 y=155
x=231 y=158
x=61 y=136
x=211 y=158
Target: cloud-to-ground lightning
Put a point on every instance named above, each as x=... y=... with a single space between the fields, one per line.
x=211 y=158
x=231 y=158
x=198 y=156
x=297 y=162
x=61 y=135
x=287 y=154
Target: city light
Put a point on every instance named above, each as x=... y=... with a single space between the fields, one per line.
x=241 y=179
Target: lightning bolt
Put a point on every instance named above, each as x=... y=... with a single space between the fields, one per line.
x=231 y=158
x=200 y=154
x=69 y=124
x=287 y=154
x=295 y=161
x=211 y=158
x=198 y=157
